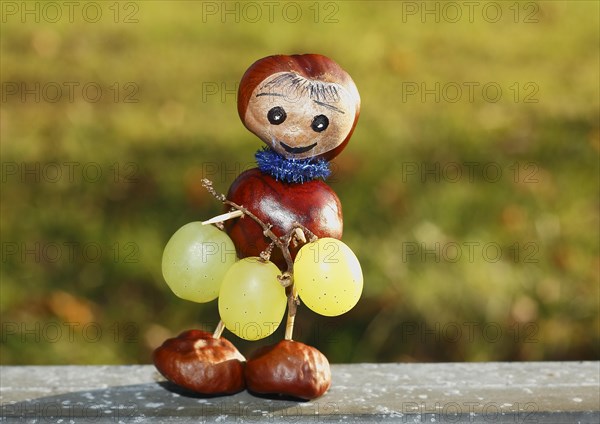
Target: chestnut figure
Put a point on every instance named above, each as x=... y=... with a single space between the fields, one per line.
x=304 y=108
x=198 y=362
x=288 y=368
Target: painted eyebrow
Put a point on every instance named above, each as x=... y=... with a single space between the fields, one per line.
x=328 y=106
x=270 y=94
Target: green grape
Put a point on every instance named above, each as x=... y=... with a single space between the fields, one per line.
x=328 y=277
x=195 y=261
x=252 y=301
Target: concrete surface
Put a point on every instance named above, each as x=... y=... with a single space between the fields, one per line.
x=534 y=392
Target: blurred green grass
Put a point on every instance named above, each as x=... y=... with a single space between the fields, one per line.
x=539 y=301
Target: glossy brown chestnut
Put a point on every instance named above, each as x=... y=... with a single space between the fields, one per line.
x=288 y=368
x=198 y=362
x=312 y=204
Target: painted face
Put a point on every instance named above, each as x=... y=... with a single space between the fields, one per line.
x=299 y=117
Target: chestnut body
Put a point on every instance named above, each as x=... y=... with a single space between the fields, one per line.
x=313 y=204
x=288 y=368
x=198 y=362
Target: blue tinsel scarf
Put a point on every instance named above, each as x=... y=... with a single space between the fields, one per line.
x=291 y=170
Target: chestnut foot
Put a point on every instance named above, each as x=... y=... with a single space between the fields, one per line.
x=288 y=368
x=198 y=362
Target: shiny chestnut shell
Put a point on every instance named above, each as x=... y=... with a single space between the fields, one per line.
x=198 y=362
x=313 y=204
x=288 y=368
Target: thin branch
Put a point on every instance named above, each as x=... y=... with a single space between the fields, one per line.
x=208 y=185
x=265 y=255
x=307 y=233
x=281 y=242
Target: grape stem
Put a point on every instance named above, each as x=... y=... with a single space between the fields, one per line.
x=223 y=217
x=219 y=330
x=298 y=234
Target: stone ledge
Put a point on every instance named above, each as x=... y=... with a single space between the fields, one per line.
x=522 y=392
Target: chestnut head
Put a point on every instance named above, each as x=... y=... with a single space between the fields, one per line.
x=302 y=106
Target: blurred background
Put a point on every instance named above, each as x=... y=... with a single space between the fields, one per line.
x=469 y=188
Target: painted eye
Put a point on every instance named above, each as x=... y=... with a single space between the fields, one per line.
x=319 y=123
x=276 y=115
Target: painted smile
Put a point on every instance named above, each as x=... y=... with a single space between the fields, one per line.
x=297 y=150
